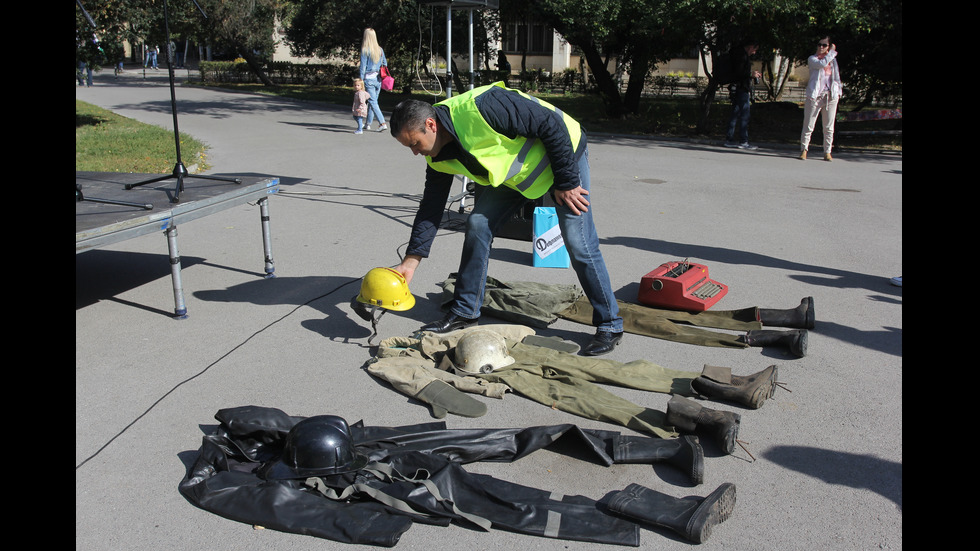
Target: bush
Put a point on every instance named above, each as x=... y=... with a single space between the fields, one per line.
x=666 y=83
x=225 y=71
x=280 y=72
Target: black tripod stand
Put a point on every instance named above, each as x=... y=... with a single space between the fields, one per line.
x=79 y=197
x=179 y=172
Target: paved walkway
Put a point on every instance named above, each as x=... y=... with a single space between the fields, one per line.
x=828 y=468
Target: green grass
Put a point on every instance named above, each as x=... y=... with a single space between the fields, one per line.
x=773 y=123
x=107 y=142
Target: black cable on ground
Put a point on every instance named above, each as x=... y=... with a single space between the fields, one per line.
x=209 y=366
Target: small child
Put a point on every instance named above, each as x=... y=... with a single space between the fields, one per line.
x=361 y=98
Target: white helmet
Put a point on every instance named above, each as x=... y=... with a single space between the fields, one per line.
x=481 y=351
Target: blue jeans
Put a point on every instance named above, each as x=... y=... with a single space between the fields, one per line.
x=741 y=106
x=498 y=204
x=84 y=74
x=373 y=87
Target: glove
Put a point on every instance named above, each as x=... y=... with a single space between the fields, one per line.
x=444 y=398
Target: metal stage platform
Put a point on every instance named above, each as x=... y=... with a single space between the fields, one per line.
x=106 y=212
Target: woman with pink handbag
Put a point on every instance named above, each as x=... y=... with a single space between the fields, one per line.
x=372 y=61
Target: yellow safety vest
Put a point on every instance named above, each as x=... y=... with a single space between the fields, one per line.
x=519 y=163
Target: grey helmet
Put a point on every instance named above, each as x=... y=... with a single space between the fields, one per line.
x=481 y=351
x=316 y=446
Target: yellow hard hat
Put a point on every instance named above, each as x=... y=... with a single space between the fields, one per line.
x=386 y=288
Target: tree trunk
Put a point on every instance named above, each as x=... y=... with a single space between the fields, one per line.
x=705 y=101
x=634 y=90
x=707 y=97
x=457 y=80
x=255 y=66
x=608 y=90
x=776 y=77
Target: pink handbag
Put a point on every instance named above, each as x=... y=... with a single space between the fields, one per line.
x=387 y=81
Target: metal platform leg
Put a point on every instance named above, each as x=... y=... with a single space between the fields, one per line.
x=270 y=266
x=467 y=191
x=180 y=310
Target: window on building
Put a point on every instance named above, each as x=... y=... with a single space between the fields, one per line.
x=527 y=35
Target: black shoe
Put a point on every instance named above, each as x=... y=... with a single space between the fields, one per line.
x=602 y=342
x=449 y=323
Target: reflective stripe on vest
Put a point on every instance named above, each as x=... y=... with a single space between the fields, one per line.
x=521 y=164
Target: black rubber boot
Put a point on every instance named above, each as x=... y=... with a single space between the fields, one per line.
x=801 y=317
x=693 y=517
x=684 y=453
x=795 y=340
x=718 y=383
x=689 y=416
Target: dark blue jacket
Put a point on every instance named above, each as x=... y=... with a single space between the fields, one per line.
x=510 y=114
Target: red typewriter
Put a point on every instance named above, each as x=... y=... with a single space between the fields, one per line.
x=680 y=286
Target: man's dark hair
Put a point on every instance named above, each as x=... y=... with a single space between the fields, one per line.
x=411 y=113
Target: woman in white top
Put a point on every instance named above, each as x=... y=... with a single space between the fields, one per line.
x=823 y=91
x=372 y=59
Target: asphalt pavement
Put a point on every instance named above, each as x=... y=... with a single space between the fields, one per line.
x=825 y=470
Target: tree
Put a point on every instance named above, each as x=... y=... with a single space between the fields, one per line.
x=869 y=38
x=247 y=26
x=101 y=26
x=642 y=33
x=868 y=31
x=408 y=31
x=637 y=35
x=726 y=23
